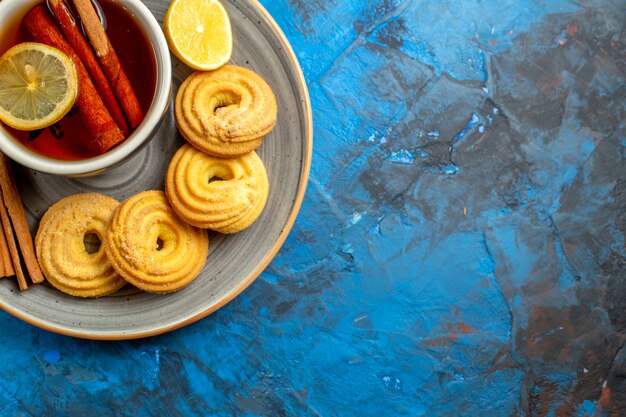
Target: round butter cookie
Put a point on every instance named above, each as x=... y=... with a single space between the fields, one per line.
x=225 y=112
x=60 y=246
x=225 y=195
x=151 y=247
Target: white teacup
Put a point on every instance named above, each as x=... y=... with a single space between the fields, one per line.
x=11 y=13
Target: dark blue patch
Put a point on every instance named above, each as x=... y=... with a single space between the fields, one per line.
x=52 y=356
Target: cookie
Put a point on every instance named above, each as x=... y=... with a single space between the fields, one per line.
x=225 y=195
x=226 y=112
x=151 y=247
x=61 y=251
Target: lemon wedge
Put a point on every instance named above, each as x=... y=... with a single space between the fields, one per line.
x=38 y=86
x=199 y=33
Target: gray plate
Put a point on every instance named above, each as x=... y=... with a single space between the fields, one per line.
x=234 y=261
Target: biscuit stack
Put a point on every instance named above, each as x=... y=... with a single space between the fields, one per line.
x=218 y=181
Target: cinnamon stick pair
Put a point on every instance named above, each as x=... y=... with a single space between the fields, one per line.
x=17 y=251
x=103 y=131
x=103 y=84
x=69 y=26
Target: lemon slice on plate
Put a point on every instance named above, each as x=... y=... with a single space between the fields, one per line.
x=199 y=33
x=38 y=86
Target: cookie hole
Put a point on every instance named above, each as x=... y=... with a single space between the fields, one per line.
x=159 y=244
x=225 y=99
x=215 y=178
x=92 y=243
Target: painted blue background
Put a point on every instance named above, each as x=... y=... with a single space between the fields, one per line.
x=460 y=251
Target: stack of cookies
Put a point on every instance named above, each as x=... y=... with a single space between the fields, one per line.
x=218 y=181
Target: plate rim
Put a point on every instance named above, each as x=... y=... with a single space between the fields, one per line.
x=229 y=296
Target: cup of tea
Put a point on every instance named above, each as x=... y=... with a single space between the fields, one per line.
x=124 y=100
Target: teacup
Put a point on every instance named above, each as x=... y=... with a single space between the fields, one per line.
x=12 y=12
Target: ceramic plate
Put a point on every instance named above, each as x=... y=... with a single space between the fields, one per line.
x=234 y=261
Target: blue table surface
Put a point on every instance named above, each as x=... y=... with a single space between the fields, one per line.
x=460 y=250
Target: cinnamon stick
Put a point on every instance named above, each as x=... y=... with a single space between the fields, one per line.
x=81 y=46
x=13 y=203
x=6 y=264
x=104 y=132
x=13 y=250
x=110 y=62
x=3 y=248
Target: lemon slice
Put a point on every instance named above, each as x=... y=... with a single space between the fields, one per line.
x=38 y=86
x=198 y=33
